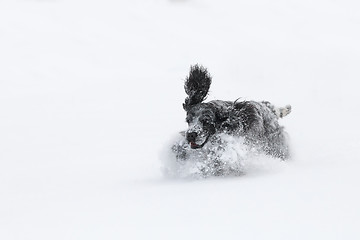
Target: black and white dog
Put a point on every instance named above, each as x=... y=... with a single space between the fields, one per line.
x=256 y=122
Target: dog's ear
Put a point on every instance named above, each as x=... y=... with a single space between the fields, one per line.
x=197 y=86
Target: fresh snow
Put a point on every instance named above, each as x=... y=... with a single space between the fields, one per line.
x=91 y=93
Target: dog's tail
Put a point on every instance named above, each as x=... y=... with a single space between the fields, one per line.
x=282 y=111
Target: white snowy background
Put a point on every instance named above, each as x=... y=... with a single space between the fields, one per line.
x=91 y=91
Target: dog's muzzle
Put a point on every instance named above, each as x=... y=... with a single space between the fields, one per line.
x=191 y=137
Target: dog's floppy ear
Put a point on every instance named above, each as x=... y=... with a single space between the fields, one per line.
x=197 y=86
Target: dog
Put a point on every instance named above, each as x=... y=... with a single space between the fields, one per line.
x=255 y=122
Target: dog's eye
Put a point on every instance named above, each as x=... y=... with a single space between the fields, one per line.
x=205 y=121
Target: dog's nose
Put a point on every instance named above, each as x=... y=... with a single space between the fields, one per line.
x=191 y=137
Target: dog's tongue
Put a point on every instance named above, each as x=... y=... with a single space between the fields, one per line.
x=193 y=144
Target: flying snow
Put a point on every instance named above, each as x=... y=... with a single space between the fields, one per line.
x=223 y=155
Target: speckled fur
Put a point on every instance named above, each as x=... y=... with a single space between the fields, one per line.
x=256 y=122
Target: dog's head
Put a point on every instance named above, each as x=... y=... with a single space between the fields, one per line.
x=202 y=125
x=201 y=117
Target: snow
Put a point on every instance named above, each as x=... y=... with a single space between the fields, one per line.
x=92 y=91
x=224 y=155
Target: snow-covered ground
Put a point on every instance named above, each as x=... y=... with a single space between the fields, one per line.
x=91 y=92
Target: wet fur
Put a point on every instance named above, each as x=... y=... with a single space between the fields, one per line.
x=257 y=122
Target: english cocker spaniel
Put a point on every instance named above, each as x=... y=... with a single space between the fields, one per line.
x=256 y=122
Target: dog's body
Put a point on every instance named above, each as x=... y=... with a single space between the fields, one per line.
x=256 y=122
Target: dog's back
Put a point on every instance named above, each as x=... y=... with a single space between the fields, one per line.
x=257 y=122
